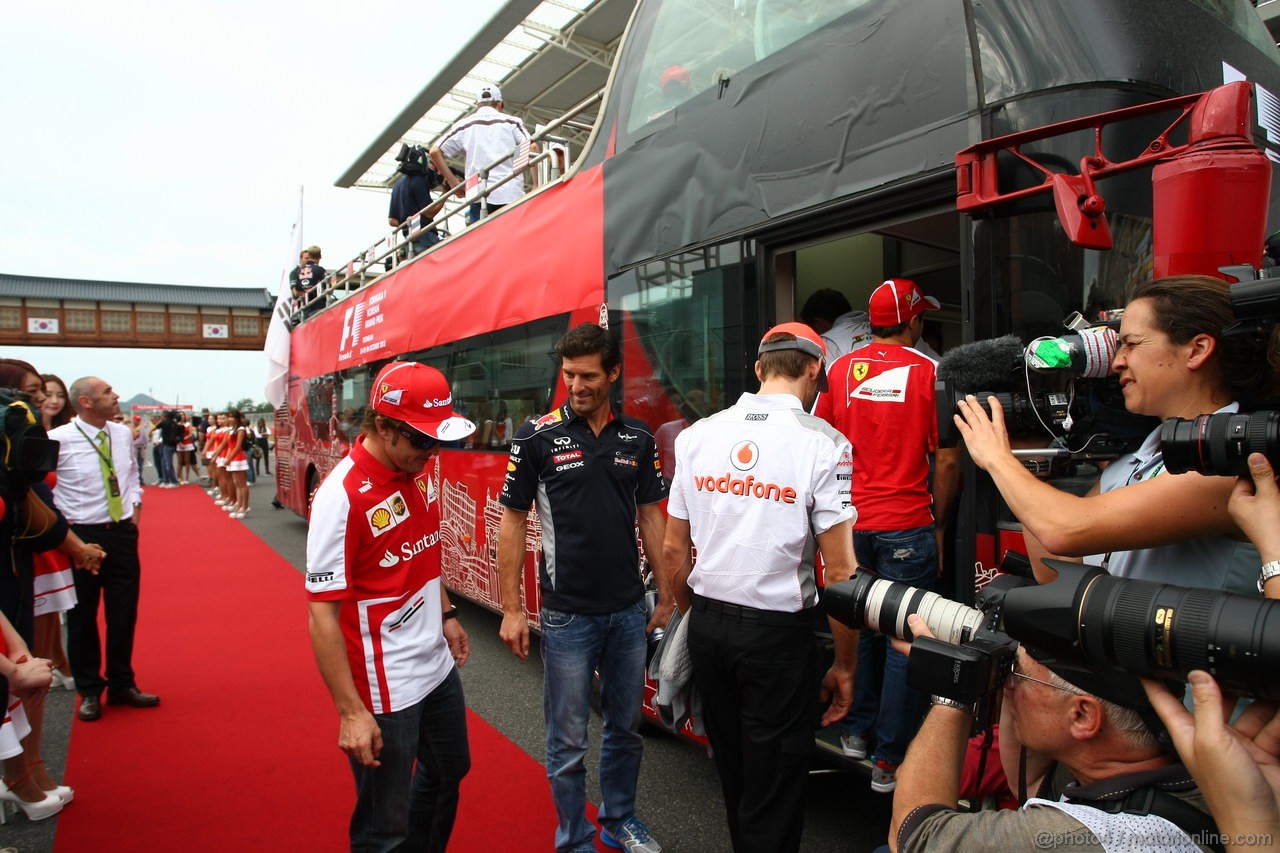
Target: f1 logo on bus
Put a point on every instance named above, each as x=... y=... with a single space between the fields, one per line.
x=352 y=326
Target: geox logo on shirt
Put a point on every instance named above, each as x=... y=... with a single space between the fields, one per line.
x=386 y=515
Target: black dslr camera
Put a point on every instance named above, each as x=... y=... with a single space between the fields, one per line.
x=1086 y=621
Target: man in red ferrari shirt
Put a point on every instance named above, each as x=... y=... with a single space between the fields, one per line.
x=882 y=398
x=384 y=634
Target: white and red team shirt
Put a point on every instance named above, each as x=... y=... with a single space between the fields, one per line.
x=756 y=483
x=882 y=399
x=374 y=545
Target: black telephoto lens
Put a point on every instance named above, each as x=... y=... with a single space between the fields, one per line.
x=1089 y=619
x=1220 y=444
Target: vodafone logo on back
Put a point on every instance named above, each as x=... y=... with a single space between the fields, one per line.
x=744 y=456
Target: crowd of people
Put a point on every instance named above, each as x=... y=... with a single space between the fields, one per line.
x=833 y=457
x=71 y=535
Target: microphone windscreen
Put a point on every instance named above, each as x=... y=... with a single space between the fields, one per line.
x=990 y=365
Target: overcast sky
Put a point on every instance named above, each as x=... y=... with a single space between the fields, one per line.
x=166 y=141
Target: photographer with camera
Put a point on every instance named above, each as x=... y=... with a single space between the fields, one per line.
x=1084 y=743
x=1172 y=360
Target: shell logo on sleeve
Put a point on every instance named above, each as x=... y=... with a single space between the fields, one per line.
x=387 y=514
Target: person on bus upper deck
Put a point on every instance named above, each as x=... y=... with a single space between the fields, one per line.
x=304 y=282
x=411 y=196
x=482 y=138
x=594 y=474
x=385 y=636
x=882 y=399
x=780 y=495
x=1139 y=521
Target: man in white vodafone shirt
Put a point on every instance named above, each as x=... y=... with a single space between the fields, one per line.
x=756 y=488
x=384 y=634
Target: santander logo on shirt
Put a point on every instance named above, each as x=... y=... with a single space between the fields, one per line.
x=409 y=550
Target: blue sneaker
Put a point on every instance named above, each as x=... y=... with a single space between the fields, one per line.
x=631 y=835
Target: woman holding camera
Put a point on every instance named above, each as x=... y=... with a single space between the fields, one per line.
x=1138 y=520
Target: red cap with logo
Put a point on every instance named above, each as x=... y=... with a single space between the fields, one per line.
x=897 y=301
x=419 y=395
x=806 y=340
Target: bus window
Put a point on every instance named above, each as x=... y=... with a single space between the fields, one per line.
x=681 y=326
x=320 y=406
x=697 y=43
x=502 y=379
x=353 y=397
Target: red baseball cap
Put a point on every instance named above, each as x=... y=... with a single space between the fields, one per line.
x=419 y=395
x=806 y=340
x=897 y=301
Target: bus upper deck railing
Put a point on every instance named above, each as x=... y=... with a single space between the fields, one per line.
x=550 y=163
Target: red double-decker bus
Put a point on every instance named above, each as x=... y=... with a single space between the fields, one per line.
x=747 y=153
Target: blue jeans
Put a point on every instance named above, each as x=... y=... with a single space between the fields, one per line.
x=424 y=242
x=398 y=807
x=884 y=705
x=167 y=473
x=574 y=647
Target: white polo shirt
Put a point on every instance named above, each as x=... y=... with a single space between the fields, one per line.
x=484 y=136
x=757 y=482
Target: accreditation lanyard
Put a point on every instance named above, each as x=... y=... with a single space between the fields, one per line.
x=112 y=483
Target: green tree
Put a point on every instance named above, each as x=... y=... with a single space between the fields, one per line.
x=247 y=404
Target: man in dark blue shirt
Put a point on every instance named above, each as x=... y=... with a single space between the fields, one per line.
x=409 y=197
x=593 y=473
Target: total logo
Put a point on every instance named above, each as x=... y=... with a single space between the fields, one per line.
x=744 y=455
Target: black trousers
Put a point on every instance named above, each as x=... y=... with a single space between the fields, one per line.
x=758 y=675
x=116 y=585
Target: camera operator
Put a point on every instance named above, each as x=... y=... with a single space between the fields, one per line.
x=1084 y=746
x=1172 y=361
x=411 y=196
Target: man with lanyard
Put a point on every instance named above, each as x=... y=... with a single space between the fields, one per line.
x=385 y=636
x=1087 y=744
x=757 y=487
x=593 y=473
x=100 y=494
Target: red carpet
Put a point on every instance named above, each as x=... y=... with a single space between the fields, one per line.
x=241 y=754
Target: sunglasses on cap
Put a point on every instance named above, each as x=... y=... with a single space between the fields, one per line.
x=419 y=440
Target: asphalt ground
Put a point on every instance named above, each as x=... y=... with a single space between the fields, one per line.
x=679 y=793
